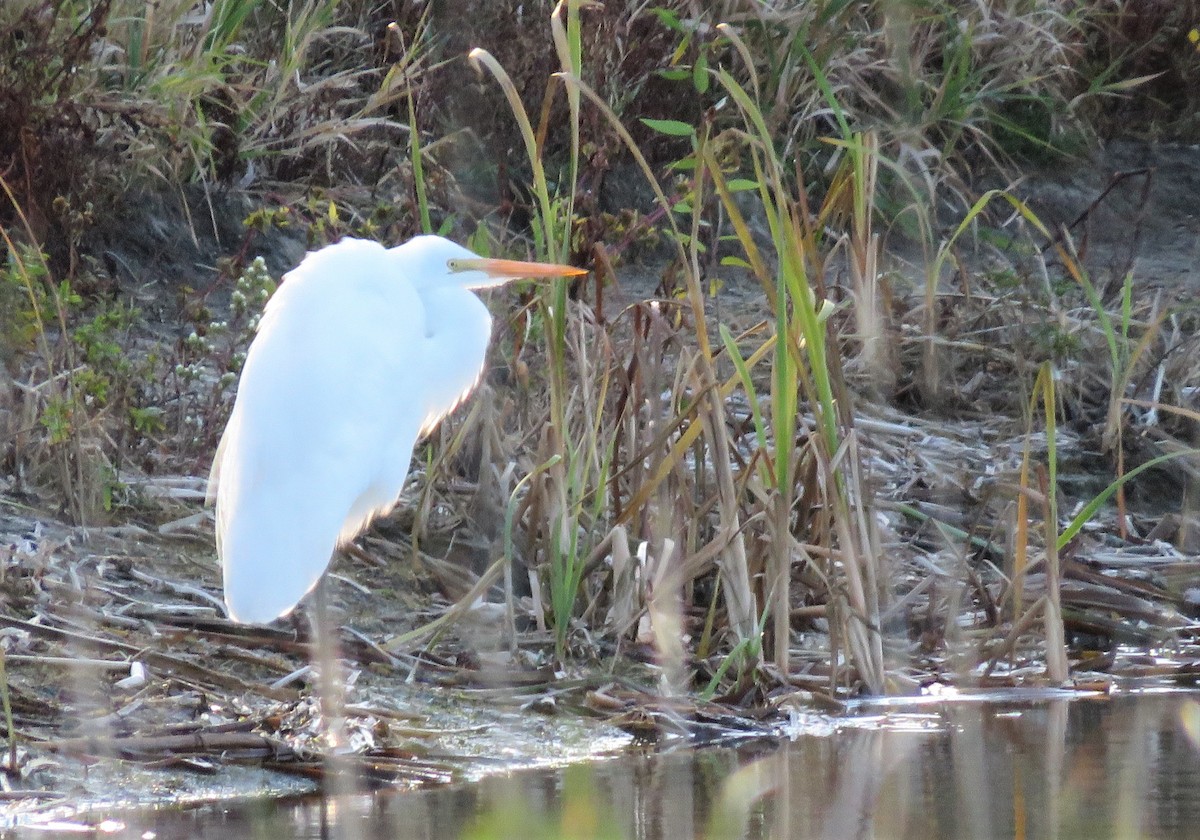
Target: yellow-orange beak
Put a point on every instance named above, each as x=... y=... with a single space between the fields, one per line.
x=500 y=271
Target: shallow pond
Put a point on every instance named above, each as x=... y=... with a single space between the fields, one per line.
x=1120 y=766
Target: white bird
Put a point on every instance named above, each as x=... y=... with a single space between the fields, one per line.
x=360 y=352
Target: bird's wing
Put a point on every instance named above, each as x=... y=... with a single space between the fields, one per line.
x=457 y=329
x=327 y=412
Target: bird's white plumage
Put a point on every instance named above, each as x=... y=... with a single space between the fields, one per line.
x=361 y=350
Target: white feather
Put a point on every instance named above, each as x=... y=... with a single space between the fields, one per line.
x=361 y=350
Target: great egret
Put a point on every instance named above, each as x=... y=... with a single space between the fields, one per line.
x=361 y=351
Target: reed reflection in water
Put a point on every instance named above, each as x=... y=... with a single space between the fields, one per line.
x=1127 y=766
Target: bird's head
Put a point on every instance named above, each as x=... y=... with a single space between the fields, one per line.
x=440 y=259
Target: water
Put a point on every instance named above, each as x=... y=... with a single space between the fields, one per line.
x=1125 y=766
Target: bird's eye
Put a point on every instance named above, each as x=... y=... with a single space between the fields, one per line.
x=454 y=266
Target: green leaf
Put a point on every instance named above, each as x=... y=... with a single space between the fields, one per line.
x=700 y=74
x=674 y=128
x=736 y=261
x=741 y=184
x=667 y=18
x=673 y=75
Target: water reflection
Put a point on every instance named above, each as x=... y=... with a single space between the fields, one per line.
x=1119 y=767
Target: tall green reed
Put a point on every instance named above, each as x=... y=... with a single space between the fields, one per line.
x=579 y=460
x=807 y=363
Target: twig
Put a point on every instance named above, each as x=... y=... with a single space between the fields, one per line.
x=156 y=659
x=399 y=643
x=139 y=746
x=1116 y=178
